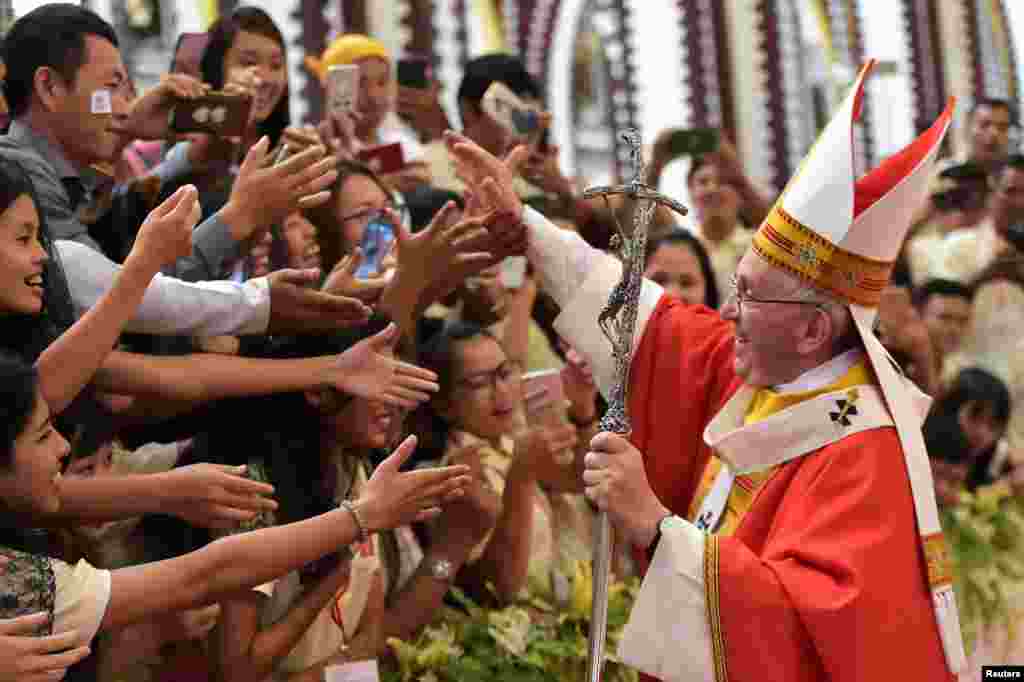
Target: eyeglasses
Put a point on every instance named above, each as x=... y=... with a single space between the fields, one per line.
x=483 y=384
x=740 y=298
x=368 y=215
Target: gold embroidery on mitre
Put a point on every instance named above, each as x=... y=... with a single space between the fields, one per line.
x=714 y=612
x=786 y=243
x=939 y=560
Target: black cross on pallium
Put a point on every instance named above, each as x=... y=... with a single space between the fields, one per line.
x=846 y=410
x=704 y=521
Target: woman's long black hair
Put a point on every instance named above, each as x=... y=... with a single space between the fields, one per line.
x=944 y=437
x=25 y=335
x=222 y=37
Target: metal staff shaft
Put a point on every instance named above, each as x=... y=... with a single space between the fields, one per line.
x=618 y=321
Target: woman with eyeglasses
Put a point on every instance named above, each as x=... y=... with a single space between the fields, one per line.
x=362 y=212
x=521 y=471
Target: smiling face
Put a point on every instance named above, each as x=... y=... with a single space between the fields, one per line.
x=485 y=391
x=676 y=268
x=266 y=56
x=87 y=137
x=300 y=238
x=773 y=340
x=30 y=485
x=989 y=133
x=22 y=259
x=356 y=198
x=713 y=196
x=376 y=93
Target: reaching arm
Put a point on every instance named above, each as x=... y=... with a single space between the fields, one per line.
x=213 y=245
x=507 y=558
x=202 y=377
x=244 y=651
x=580 y=278
x=224 y=566
x=170 y=306
x=240 y=562
x=69 y=363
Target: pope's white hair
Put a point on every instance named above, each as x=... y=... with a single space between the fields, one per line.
x=843 y=328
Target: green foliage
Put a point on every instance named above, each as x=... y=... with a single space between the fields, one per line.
x=525 y=642
x=985 y=532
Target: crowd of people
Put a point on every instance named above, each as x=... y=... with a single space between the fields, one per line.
x=245 y=438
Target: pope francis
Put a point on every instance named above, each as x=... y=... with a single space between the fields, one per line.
x=775 y=483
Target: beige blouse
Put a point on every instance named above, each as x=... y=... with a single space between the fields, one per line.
x=561 y=525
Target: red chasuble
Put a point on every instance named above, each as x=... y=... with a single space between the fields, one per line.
x=823 y=579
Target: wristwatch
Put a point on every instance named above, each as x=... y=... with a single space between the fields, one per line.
x=441 y=569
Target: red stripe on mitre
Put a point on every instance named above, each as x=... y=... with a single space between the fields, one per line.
x=879 y=182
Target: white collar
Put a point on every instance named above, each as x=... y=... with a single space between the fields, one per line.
x=824 y=374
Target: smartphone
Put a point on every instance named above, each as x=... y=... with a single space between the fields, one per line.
x=414 y=73
x=542 y=389
x=188 y=53
x=215 y=113
x=693 y=142
x=517 y=117
x=386 y=158
x=513 y=271
x=376 y=241
x=359 y=671
x=342 y=88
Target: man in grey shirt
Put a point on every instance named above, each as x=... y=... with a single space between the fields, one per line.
x=64 y=69
x=68 y=92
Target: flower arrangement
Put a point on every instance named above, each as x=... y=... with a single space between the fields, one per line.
x=985 y=532
x=530 y=641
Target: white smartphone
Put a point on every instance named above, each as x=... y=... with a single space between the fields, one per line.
x=541 y=389
x=359 y=671
x=520 y=119
x=342 y=88
x=513 y=272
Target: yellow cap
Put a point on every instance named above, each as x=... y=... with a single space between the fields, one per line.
x=347 y=49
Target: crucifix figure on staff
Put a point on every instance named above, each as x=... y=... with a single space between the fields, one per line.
x=774 y=483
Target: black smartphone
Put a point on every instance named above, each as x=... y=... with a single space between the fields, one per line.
x=414 y=72
x=215 y=113
x=693 y=142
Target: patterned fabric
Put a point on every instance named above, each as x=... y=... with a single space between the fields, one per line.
x=28 y=586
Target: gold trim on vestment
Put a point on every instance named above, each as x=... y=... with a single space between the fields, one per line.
x=713 y=607
x=786 y=243
x=939 y=560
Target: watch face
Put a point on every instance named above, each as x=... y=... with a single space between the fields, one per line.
x=442 y=569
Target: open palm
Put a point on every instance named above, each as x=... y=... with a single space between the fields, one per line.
x=369 y=370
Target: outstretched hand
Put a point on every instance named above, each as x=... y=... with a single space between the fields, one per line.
x=216 y=496
x=369 y=370
x=493 y=193
x=166 y=234
x=342 y=280
x=392 y=499
x=25 y=657
x=490 y=176
x=296 y=308
x=445 y=253
x=264 y=194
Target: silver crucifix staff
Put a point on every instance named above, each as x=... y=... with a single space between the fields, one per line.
x=617 y=322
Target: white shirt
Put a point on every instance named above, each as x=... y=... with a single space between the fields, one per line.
x=170 y=306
